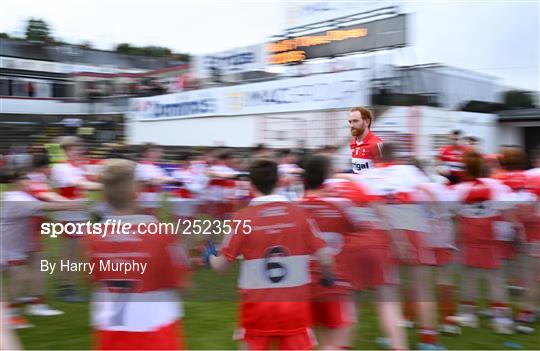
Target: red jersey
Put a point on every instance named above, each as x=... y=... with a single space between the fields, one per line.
x=526 y=188
x=482 y=201
x=66 y=175
x=39 y=184
x=367 y=223
x=516 y=180
x=144 y=298
x=365 y=152
x=338 y=231
x=274 y=277
x=532 y=228
x=452 y=158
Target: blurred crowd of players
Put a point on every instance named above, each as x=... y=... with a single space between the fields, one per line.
x=319 y=235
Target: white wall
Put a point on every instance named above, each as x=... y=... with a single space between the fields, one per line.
x=427 y=124
x=507 y=135
x=237 y=131
x=50 y=106
x=9 y=105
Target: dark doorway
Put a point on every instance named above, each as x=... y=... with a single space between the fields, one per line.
x=532 y=140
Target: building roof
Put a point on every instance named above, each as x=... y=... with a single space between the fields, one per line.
x=520 y=115
x=73 y=54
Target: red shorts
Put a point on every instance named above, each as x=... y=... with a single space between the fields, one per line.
x=334 y=313
x=13 y=263
x=486 y=256
x=533 y=248
x=35 y=244
x=507 y=251
x=443 y=256
x=304 y=340
x=422 y=254
x=376 y=266
x=169 y=337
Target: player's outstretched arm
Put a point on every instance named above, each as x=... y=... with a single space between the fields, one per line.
x=211 y=258
x=219 y=264
x=326 y=261
x=89 y=185
x=63 y=205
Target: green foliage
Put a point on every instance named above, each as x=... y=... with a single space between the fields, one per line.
x=518 y=99
x=152 y=51
x=38 y=30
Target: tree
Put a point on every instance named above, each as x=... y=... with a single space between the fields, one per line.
x=518 y=99
x=182 y=57
x=4 y=35
x=38 y=30
x=155 y=51
x=86 y=44
x=125 y=48
x=152 y=51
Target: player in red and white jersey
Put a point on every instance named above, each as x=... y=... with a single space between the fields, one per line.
x=532 y=227
x=193 y=181
x=525 y=268
x=451 y=158
x=365 y=146
x=139 y=308
x=151 y=176
x=276 y=241
x=531 y=271
x=440 y=206
x=333 y=307
x=482 y=219
x=290 y=183
x=512 y=174
x=376 y=266
x=69 y=178
x=399 y=186
x=221 y=192
x=40 y=189
x=19 y=208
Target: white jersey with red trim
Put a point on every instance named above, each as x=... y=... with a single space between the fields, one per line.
x=274 y=277
x=147 y=172
x=18 y=208
x=481 y=204
x=185 y=201
x=221 y=189
x=65 y=177
x=533 y=172
x=398 y=186
x=39 y=184
x=360 y=197
x=533 y=223
x=291 y=185
x=136 y=301
x=440 y=206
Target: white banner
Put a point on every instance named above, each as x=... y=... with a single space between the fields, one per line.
x=238 y=60
x=315 y=92
x=303 y=13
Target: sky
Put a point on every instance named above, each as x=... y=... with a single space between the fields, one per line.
x=497 y=38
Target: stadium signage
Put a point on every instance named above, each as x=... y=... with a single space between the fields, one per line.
x=375 y=35
x=304 y=13
x=229 y=62
x=310 y=93
x=167 y=106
